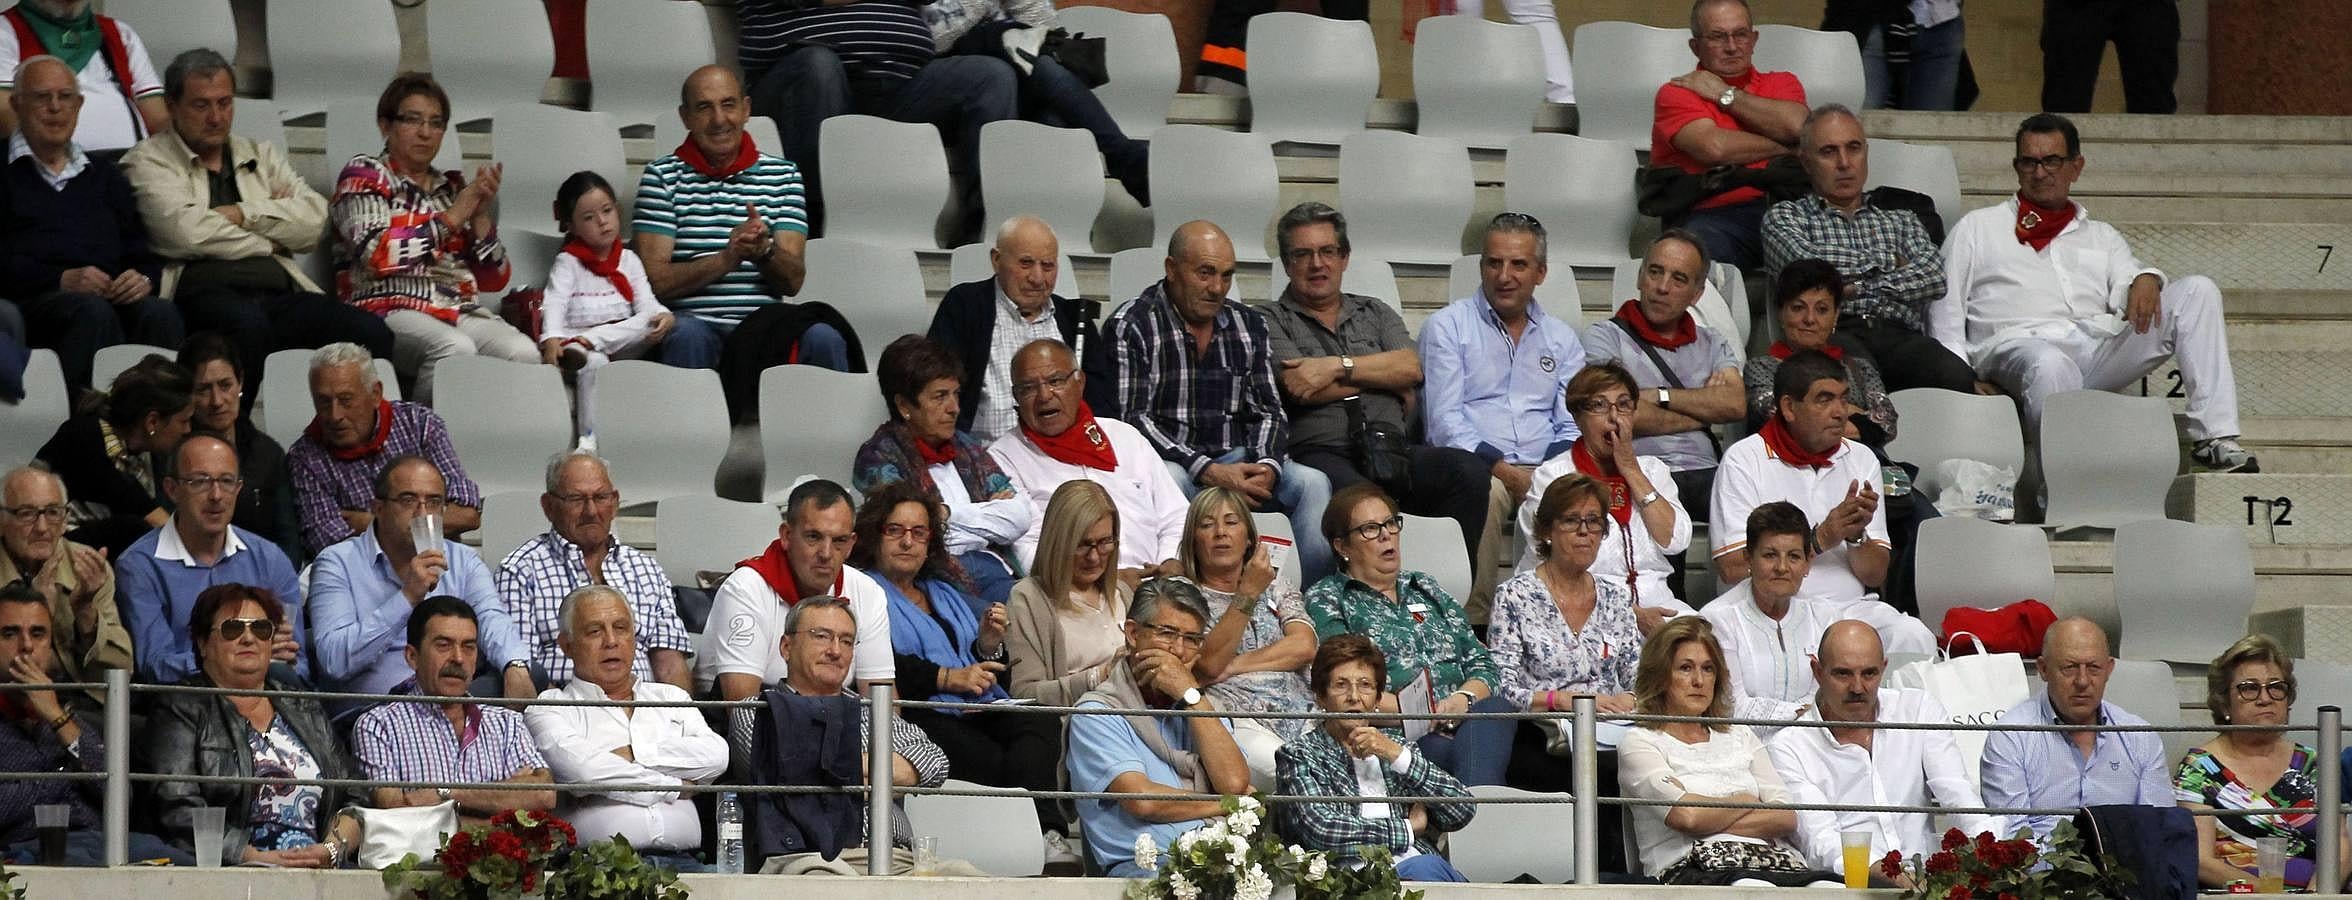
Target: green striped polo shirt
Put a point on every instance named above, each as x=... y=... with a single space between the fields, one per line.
x=673 y=199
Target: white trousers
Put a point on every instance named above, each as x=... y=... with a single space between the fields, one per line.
x=2188 y=329
x=584 y=381
x=1258 y=745
x=420 y=342
x=1559 y=85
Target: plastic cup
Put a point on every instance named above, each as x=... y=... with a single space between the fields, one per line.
x=425 y=531
x=926 y=854
x=1857 y=848
x=2270 y=865
x=205 y=835
x=51 y=821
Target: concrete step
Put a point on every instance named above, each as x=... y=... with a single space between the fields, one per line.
x=2106 y=128
x=2300 y=445
x=2290 y=369
x=2271 y=508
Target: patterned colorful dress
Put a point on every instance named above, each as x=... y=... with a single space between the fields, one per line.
x=284 y=816
x=2202 y=779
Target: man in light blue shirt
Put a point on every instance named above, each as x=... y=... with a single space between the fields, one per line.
x=362 y=589
x=1166 y=623
x=161 y=574
x=1494 y=365
x=2055 y=769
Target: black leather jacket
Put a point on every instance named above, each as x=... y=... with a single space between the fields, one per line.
x=202 y=734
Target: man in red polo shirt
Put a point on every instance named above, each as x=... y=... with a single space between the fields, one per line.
x=1725 y=113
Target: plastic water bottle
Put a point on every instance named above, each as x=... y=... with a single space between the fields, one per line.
x=730 y=856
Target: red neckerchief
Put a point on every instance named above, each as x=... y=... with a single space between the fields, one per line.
x=2037 y=225
x=1781 y=350
x=774 y=569
x=362 y=451
x=1784 y=445
x=932 y=456
x=1620 y=496
x=1687 y=329
x=607 y=266
x=745 y=154
x=1082 y=444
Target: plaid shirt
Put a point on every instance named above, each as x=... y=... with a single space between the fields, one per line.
x=1195 y=407
x=1885 y=255
x=397 y=248
x=412 y=741
x=325 y=486
x=1315 y=765
x=535 y=578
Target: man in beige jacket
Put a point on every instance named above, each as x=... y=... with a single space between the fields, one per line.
x=89 y=636
x=229 y=213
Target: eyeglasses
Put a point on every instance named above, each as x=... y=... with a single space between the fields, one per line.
x=829 y=636
x=419 y=502
x=1583 y=524
x=1598 y=406
x=919 y=533
x=261 y=629
x=1328 y=254
x=1742 y=36
x=1166 y=634
x=1023 y=390
x=204 y=484
x=1103 y=547
x=2032 y=163
x=422 y=122
x=1370 y=531
x=24 y=515
x=600 y=498
x=2250 y=689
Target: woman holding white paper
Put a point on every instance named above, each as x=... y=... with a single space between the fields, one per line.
x=1252 y=658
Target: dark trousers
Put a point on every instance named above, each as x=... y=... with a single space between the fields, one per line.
x=1733 y=234
x=78 y=325
x=1002 y=749
x=1446 y=482
x=1054 y=96
x=1696 y=487
x=1907 y=358
x=2147 y=47
x=260 y=326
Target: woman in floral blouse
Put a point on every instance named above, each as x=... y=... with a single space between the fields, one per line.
x=1556 y=630
x=1259 y=635
x=1422 y=630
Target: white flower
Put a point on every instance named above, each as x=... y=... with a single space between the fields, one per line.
x=1297 y=853
x=1317 y=868
x=1186 y=840
x=1248 y=802
x=1147 y=851
x=1239 y=849
x=1243 y=822
x=1253 y=885
x=1182 y=889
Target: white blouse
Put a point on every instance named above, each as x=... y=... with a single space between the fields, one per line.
x=579 y=303
x=1654 y=765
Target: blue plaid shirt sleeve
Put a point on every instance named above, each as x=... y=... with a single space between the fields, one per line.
x=1313 y=766
x=656 y=606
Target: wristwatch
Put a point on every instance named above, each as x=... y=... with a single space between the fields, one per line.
x=1192 y=697
x=1647 y=499
x=1347 y=367
x=442 y=793
x=1729 y=94
x=1661 y=396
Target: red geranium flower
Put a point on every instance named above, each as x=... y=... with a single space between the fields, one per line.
x=1954 y=840
x=1942 y=862
x=1958 y=892
x=1892 y=863
x=1985 y=841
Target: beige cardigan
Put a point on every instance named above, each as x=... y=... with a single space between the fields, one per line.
x=1041 y=669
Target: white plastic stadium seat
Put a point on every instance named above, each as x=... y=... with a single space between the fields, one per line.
x=509 y=519
x=1926 y=168
x=1367 y=275
x=541 y=146
x=795 y=443
x=1618 y=68
x=1967 y=561
x=1433 y=545
x=111 y=361
x=1226 y=177
x=257 y=120
x=169 y=27
x=1052 y=173
x=2182 y=590
x=1557 y=293
x=505 y=418
x=2145 y=688
x=663 y=429
x=1141 y=56
x=2107 y=458
x=885 y=181
x=878 y=288
x=1828 y=63
x=1507 y=840
x=970 y=263
x=488 y=54
x=1937 y=425
x=2317 y=683
x=1712 y=310
x=352 y=131
x=1475 y=81
x=1009 y=846
x=1136 y=268
x=639 y=51
x=1408 y=198
x=28 y=423
x=324 y=52
x=1580 y=188
x=709 y=534
x=1311 y=79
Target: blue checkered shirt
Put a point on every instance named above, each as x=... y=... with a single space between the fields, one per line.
x=1194 y=407
x=412 y=741
x=534 y=579
x=1884 y=254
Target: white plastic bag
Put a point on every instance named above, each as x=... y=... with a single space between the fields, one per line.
x=1973 y=690
x=1976 y=488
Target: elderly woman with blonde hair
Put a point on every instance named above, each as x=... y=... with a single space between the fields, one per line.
x=1260 y=637
x=2253 y=683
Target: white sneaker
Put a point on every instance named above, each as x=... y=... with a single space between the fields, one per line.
x=1057 y=850
x=2224 y=454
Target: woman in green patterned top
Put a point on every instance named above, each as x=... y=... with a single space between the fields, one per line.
x=2253 y=683
x=1422 y=630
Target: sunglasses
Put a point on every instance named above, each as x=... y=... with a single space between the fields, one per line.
x=261 y=629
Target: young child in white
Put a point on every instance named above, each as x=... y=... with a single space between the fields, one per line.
x=598 y=305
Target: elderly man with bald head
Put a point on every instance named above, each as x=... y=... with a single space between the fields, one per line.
x=104 y=55
x=1060 y=439
x=1196 y=377
x=1860 y=766
x=162 y=574
x=577 y=551
x=88 y=636
x=986 y=322
x=2074 y=768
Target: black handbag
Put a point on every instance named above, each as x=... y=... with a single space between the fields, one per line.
x=1082 y=54
x=1382 y=455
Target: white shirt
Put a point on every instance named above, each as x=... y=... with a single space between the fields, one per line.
x=1901 y=768
x=1654 y=765
x=1372 y=781
x=1998 y=290
x=671 y=745
x=1771 y=661
x=580 y=303
x=168 y=545
x=998 y=415
x=1752 y=476
x=1649 y=557
x=1151 y=507
x=978 y=526
x=75 y=161
x=746 y=630
x=106 y=121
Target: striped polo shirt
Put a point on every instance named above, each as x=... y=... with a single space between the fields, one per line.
x=874 y=40
x=675 y=200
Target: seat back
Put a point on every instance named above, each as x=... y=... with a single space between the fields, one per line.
x=490 y=54
x=970 y=263
x=1618 y=68
x=794 y=443
x=28 y=423
x=1827 y=63
x=1141 y=57
x=110 y=361
x=2107 y=458
x=1198 y=172
x=541 y=146
x=285 y=408
x=709 y=534
x=2146 y=688
x=1508 y=840
x=1311 y=79
x=1938 y=425
x=1010 y=846
x=1713 y=309
x=504 y=417
x=170 y=27
x=1408 y=197
x=324 y=52
x=635 y=80
x=1581 y=189
x=879 y=288
x=1966 y=561
x=258 y=121
x=885 y=182
x=663 y=429
x=1052 y=173
x=1926 y=168
x=2182 y=590
x=1557 y=293
x=2317 y=683
x=509 y=519
x=1475 y=81
x=1433 y=545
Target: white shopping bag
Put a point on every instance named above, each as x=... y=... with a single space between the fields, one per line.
x=1973 y=690
x=1976 y=488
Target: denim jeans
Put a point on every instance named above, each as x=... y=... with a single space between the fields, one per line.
x=1930 y=81
x=959 y=94
x=1733 y=234
x=699 y=345
x=1054 y=96
x=1299 y=491
x=1479 y=752
x=1428 y=867
x=88 y=848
